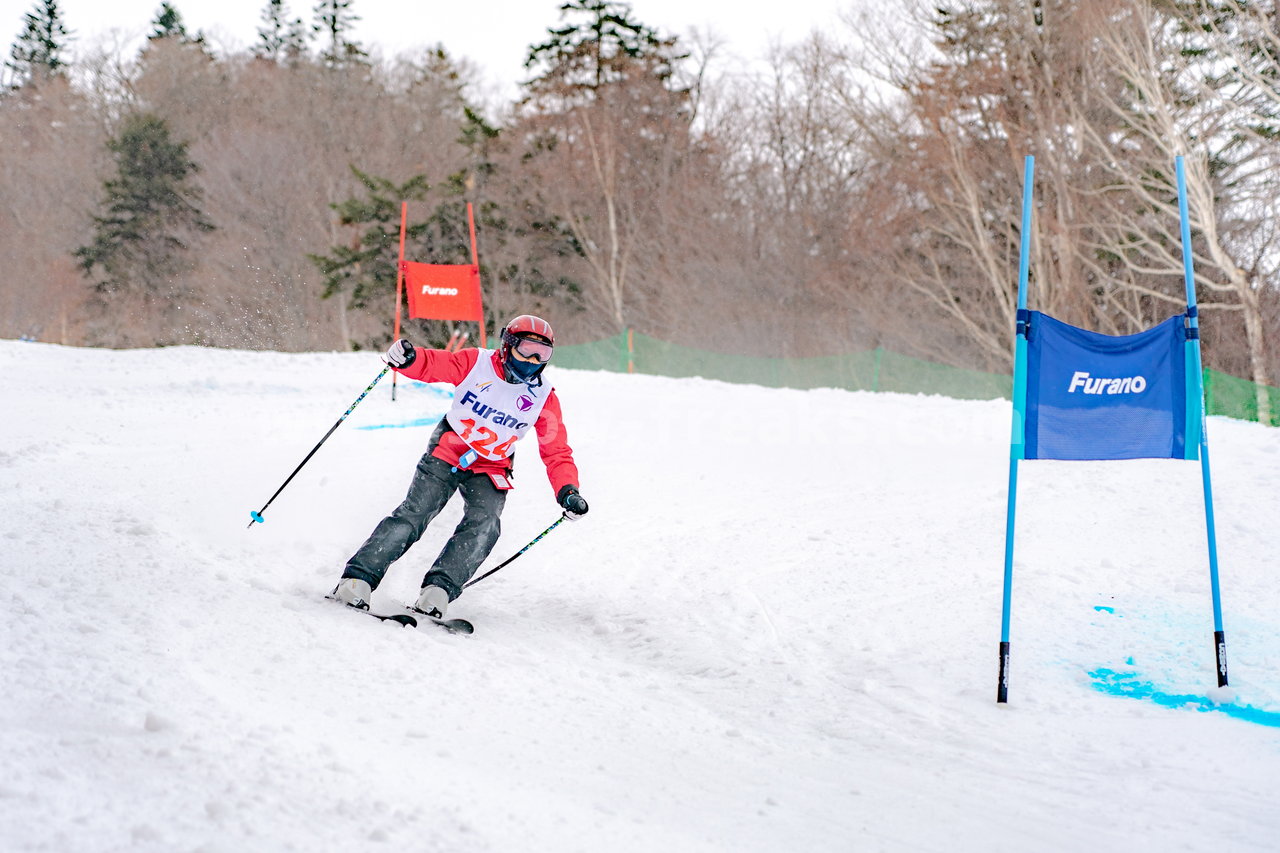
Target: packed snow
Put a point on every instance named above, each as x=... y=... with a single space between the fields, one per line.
x=776 y=629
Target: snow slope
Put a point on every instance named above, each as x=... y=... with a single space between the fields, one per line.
x=776 y=629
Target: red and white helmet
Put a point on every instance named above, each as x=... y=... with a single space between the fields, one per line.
x=534 y=341
x=527 y=324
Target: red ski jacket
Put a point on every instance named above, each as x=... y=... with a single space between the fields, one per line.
x=437 y=365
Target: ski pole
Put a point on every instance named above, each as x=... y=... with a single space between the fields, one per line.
x=257 y=516
x=517 y=553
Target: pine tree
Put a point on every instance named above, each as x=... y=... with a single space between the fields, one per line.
x=169 y=24
x=141 y=240
x=37 y=52
x=604 y=46
x=280 y=39
x=334 y=22
x=605 y=110
x=366 y=269
x=525 y=242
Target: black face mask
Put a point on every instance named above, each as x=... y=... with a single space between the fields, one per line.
x=521 y=371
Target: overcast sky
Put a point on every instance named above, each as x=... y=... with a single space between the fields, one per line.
x=494 y=34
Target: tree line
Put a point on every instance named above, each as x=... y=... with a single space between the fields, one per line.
x=862 y=190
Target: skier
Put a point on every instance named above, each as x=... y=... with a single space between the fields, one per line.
x=499 y=396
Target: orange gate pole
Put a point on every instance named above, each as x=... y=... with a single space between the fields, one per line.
x=404 y=213
x=475 y=261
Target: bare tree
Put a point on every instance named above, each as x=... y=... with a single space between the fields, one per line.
x=1203 y=85
x=1011 y=79
x=53 y=151
x=604 y=128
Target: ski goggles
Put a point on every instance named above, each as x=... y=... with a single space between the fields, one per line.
x=532 y=348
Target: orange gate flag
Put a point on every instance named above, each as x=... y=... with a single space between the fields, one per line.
x=443 y=291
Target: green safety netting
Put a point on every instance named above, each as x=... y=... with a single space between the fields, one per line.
x=1238 y=398
x=909 y=375
x=877 y=370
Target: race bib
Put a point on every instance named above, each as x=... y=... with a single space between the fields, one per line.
x=490 y=414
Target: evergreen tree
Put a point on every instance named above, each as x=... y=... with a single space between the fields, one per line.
x=169 y=24
x=141 y=240
x=604 y=45
x=610 y=71
x=365 y=270
x=605 y=110
x=526 y=243
x=279 y=38
x=334 y=22
x=37 y=52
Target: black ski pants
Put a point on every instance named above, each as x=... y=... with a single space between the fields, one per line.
x=433 y=484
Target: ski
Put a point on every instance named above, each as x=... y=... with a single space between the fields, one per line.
x=453 y=626
x=400 y=618
x=412 y=618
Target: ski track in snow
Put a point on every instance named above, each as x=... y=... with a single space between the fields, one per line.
x=776 y=629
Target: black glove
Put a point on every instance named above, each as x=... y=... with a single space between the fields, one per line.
x=574 y=504
x=400 y=355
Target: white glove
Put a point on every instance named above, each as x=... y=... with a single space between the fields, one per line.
x=401 y=354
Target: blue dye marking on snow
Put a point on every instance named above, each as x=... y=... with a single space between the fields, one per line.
x=416 y=422
x=1128 y=684
x=1102 y=607
x=444 y=395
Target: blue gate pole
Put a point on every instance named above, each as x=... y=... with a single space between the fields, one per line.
x=1193 y=335
x=1017 y=440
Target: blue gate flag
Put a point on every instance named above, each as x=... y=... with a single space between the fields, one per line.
x=1082 y=395
x=1095 y=396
